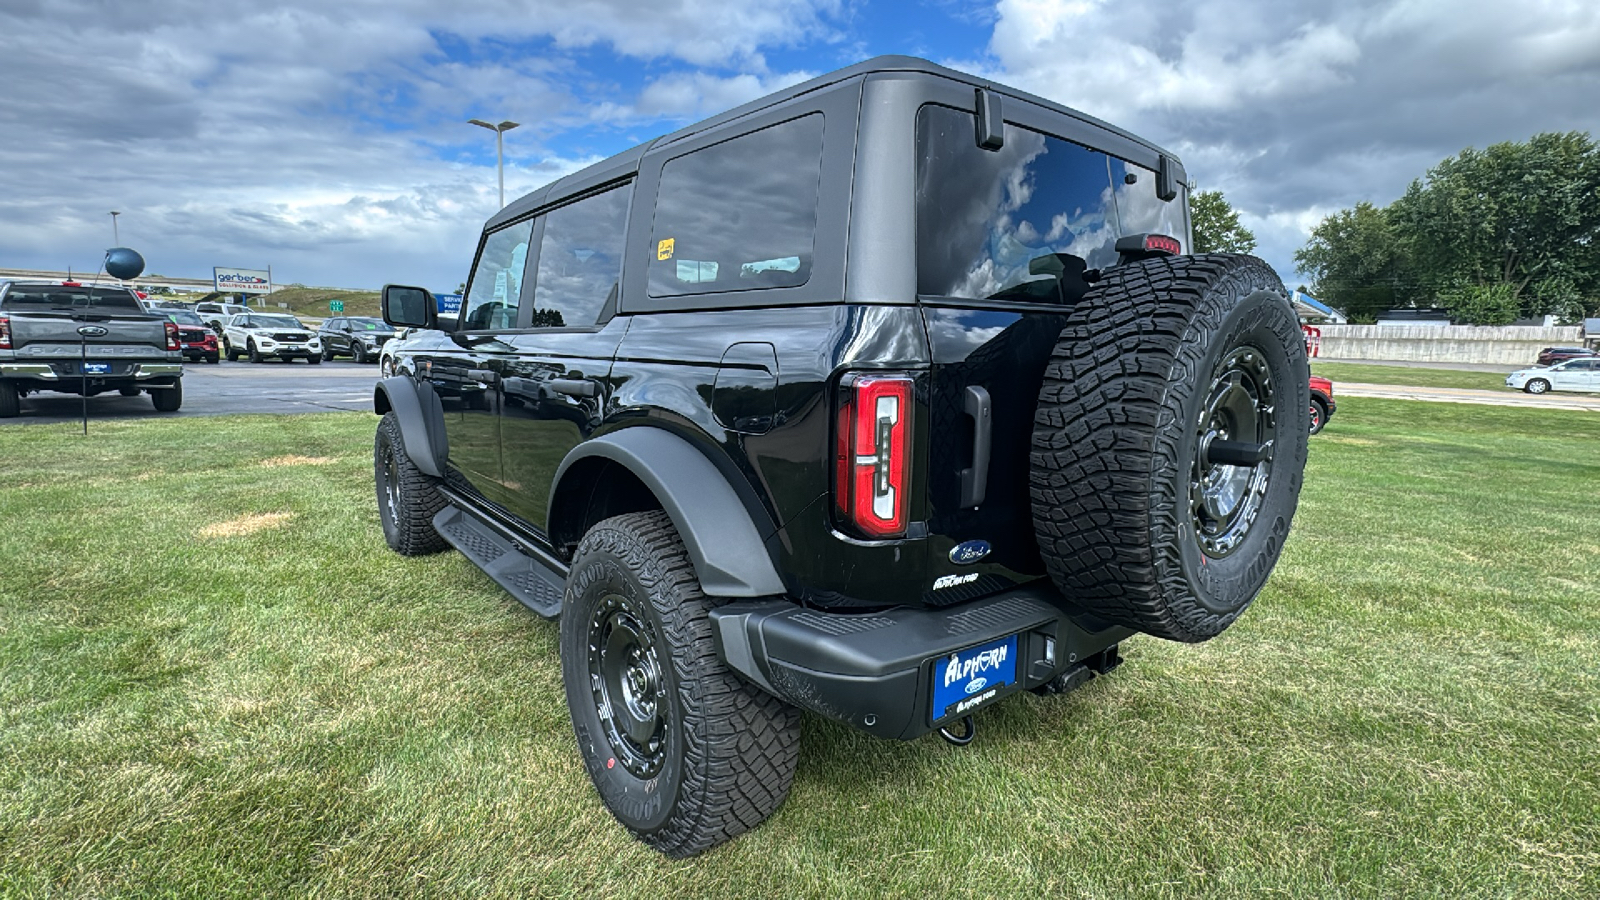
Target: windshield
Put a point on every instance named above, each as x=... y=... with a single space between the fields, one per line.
x=259 y=321
x=1026 y=222
x=184 y=318
x=46 y=296
x=369 y=325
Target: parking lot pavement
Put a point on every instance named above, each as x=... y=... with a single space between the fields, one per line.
x=1464 y=395
x=225 y=389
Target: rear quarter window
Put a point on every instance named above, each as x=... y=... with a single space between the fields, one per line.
x=739 y=215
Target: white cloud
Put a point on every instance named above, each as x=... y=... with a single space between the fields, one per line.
x=1299 y=108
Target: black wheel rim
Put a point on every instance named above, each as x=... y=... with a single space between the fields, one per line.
x=1224 y=498
x=630 y=694
x=391 y=482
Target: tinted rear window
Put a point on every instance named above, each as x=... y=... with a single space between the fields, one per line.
x=46 y=296
x=739 y=215
x=1023 y=223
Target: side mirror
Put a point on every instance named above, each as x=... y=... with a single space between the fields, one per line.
x=408 y=307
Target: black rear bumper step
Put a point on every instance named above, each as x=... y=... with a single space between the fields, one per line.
x=875 y=671
x=527 y=573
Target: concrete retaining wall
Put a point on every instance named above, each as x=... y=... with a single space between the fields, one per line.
x=1499 y=344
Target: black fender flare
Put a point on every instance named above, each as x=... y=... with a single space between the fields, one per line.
x=723 y=541
x=421 y=416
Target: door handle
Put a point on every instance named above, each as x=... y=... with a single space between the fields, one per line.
x=573 y=387
x=975 y=480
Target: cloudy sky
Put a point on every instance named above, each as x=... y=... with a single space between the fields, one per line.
x=328 y=138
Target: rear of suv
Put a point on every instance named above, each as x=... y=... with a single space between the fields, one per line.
x=886 y=396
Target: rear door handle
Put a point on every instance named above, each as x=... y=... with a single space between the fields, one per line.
x=975 y=481
x=574 y=387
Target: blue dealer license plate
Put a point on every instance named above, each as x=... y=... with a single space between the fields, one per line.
x=90 y=368
x=965 y=680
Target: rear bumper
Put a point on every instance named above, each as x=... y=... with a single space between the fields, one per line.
x=875 y=671
x=46 y=372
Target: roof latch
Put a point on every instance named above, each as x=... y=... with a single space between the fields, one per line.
x=991 y=126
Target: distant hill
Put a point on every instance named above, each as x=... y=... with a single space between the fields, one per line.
x=313 y=302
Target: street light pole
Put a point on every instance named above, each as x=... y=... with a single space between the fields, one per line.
x=115 y=241
x=499 y=150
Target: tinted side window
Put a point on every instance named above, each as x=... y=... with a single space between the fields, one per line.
x=1025 y=222
x=496 y=288
x=739 y=215
x=580 y=259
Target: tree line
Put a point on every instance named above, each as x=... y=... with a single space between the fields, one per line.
x=1491 y=235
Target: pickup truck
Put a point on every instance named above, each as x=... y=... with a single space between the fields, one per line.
x=84 y=339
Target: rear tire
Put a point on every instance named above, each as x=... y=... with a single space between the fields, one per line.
x=168 y=399
x=1136 y=519
x=407 y=498
x=10 y=401
x=683 y=752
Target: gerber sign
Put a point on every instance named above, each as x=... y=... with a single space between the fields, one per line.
x=243 y=281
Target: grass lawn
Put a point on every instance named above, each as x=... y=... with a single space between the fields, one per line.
x=1407 y=375
x=216 y=681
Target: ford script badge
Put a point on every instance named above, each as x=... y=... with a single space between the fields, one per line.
x=969 y=552
x=92 y=331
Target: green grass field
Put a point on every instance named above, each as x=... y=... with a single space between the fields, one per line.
x=216 y=681
x=1407 y=375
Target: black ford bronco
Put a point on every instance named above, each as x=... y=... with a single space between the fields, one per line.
x=886 y=396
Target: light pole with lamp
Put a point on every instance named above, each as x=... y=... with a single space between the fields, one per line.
x=499 y=150
x=115 y=241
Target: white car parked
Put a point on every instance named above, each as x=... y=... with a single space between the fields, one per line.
x=263 y=335
x=1572 y=375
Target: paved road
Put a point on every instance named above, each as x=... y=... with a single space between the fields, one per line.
x=1464 y=395
x=225 y=389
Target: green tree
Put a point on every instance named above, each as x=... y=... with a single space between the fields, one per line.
x=1356 y=262
x=1216 y=225
x=1523 y=215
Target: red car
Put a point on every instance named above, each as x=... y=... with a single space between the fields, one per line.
x=198 y=341
x=1549 y=356
x=1322 y=404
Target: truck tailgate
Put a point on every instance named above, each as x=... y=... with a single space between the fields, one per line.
x=51 y=334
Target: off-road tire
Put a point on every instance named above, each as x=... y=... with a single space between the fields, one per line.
x=1117 y=461
x=167 y=399
x=10 y=401
x=407 y=514
x=1319 y=416
x=728 y=751
x=1537 y=386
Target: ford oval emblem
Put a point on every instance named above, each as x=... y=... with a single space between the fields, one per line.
x=969 y=552
x=92 y=331
x=977 y=684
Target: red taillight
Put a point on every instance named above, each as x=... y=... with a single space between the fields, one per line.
x=872 y=454
x=172 y=336
x=5 y=332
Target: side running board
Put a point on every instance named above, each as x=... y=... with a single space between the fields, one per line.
x=528 y=574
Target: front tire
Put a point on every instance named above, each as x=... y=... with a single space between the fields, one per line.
x=359 y=354
x=255 y=353
x=315 y=359
x=1319 y=415
x=1537 y=386
x=407 y=498
x=683 y=752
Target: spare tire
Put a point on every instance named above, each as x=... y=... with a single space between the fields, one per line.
x=1170 y=443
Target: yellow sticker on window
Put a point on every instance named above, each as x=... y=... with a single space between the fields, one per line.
x=664 y=249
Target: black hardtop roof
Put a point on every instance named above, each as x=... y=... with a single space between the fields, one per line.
x=626 y=163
